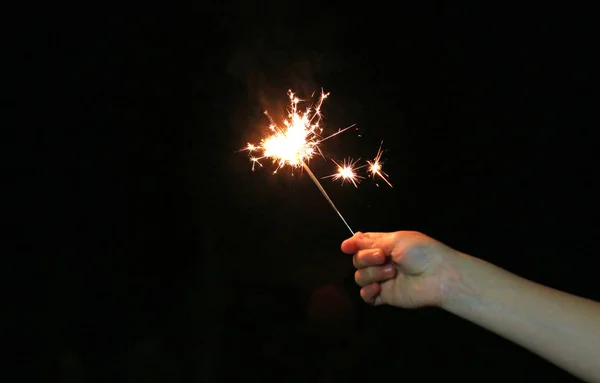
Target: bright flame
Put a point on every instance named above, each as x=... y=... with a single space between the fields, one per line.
x=347 y=172
x=375 y=166
x=297 y=140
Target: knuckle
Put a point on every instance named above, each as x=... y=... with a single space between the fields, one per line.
x=395 y=236
x=360 y=260
x=367 y=241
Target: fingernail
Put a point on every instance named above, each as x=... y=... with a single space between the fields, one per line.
x=388 y=268
x=359 y=235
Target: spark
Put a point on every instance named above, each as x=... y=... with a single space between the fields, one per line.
x=296 y=140
x=347 y=172
x=375 y=166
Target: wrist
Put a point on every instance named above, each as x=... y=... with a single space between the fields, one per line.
x=460 y=290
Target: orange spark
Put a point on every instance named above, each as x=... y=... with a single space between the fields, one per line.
x=375 y=166
x=347 y=172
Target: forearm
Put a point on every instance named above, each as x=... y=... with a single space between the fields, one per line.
x=562 y=328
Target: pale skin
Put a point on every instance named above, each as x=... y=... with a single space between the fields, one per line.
x=411 y=270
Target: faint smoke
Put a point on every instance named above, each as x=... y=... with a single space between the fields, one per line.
x=269 y=64
x=271 y=56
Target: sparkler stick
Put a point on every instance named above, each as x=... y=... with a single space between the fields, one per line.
x=316 y=181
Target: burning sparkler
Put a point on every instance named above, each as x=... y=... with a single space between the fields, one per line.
x=296 y=142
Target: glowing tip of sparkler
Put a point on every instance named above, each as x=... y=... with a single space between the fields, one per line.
x=296 y=140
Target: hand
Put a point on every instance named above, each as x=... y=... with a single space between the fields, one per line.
x=405 y=269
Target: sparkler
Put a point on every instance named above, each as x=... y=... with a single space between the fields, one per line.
x=296 y=142
x=298 y=139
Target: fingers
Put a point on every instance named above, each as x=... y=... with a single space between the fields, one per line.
x=370 y=293
x=398 y=245
x=362 y=241
x=373 y=274
x=349 y=245
x=366 y=258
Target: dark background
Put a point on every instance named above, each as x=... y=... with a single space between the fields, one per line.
x=146 y=249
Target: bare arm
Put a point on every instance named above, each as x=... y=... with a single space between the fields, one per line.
x=562 y=328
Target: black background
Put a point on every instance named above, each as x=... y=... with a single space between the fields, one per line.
x=146 y=249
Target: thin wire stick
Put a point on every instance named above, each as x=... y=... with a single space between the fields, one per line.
x=316 y=181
